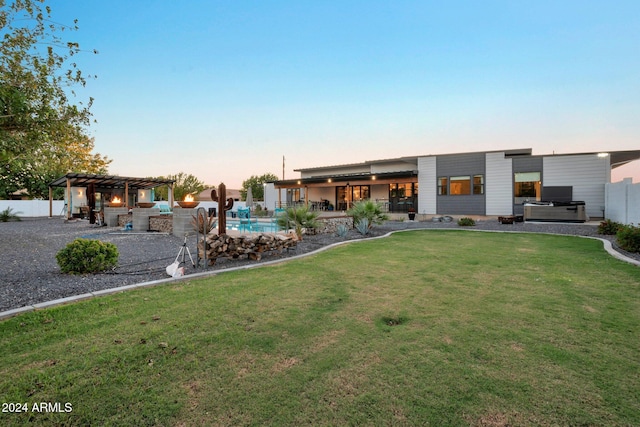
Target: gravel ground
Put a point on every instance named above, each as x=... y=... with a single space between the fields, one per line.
x=30 y=274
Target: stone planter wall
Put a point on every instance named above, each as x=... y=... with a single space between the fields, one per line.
x=330 y=224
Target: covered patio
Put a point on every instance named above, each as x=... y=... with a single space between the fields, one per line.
x=395 y=191
x=89 y=194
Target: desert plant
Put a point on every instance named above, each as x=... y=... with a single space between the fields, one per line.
x=87 y=256
x=628 y=237
x=609 y=227
x=363 y=226
x=202 y=225
x=466 y=222
x=369 y=210
x=299 y=219
x=9 y=215
x=342 y=230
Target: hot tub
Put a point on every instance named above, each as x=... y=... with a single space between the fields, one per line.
x=555 y=211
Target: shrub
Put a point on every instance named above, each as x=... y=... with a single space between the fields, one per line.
x=342 y=230
x=628 y=237
x=8 y=215
x=363 y=226
x=298 y=218
x=466 y=222
x=202 y=225
x=609 y=227
x=87 y=256
x=369 y=210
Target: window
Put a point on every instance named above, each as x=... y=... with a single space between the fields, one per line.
x=442 y=186
x=459 y=185
x=527 y=187
x=478 y=184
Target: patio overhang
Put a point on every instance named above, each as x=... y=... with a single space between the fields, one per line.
x=337 y=180
x=100 y=183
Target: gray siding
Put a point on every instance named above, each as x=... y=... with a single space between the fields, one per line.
x=461 y=164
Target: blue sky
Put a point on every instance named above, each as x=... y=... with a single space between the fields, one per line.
x=223 y=89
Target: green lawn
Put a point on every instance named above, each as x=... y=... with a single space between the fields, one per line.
x=421 y=328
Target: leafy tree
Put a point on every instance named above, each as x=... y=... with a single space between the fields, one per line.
x=257 y=185
x=42 y=133
x=185 y=184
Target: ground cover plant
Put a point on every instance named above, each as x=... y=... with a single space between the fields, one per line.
x=420 y=328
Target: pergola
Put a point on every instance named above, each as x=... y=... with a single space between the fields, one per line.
x=100 y=183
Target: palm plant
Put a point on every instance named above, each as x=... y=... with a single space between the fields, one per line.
x=9 y=215
x=369 y=210
x=299 y=219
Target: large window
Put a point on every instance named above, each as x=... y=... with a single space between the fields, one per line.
x=459 y=185
x=403 y=196
x=347 y=195
x=527 y=187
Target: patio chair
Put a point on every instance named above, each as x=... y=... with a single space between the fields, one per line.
x=244 y=217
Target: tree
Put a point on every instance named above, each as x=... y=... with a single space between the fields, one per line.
x=42 y=133
x=257 y=185
x=185 y=184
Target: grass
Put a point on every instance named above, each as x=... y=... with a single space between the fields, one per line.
x=422 y=328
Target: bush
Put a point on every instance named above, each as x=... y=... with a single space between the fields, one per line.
x=629 y=238
x=609 y=227
x=8 y=215
x=363 y=226
x=342 y=230
x=298 y=218
x=202 y=225
x=87 y=256
x=466 y=222
x=369 y=210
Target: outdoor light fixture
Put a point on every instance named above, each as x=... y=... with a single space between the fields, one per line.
x=603 y=155
x=329 y=180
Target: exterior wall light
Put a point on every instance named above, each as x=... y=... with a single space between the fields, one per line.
x=603 y=155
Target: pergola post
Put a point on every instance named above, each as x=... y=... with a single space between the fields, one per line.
x=50 y=202
x=68 y=198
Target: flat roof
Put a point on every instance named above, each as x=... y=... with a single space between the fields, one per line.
x=618 y=158
x=109 y=181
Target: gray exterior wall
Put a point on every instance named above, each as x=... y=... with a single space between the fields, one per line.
x=458 y=165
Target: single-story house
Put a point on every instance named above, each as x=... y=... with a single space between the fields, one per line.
x=475 y=183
